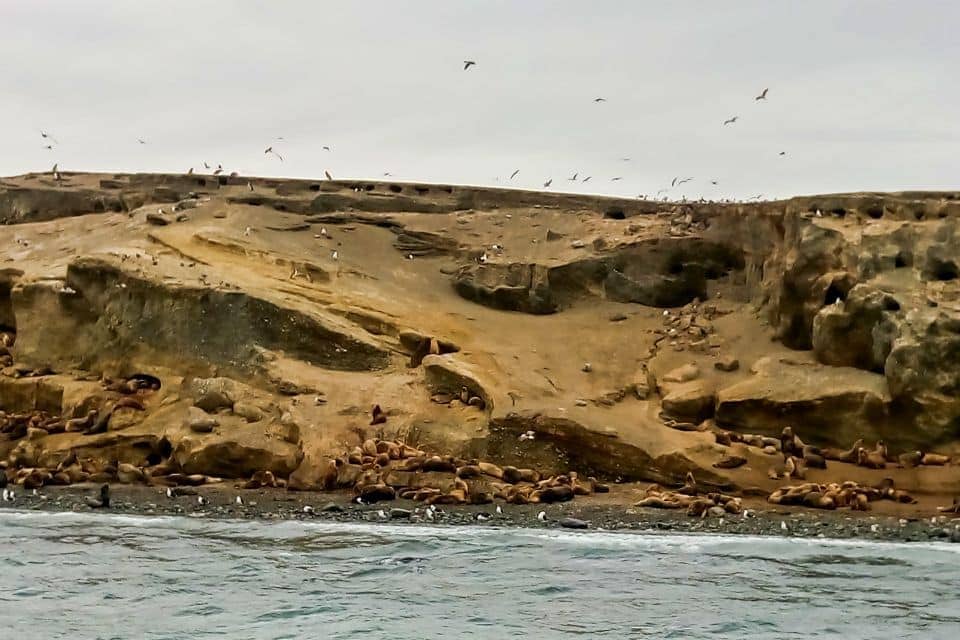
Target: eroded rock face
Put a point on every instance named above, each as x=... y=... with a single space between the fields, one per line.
x=292 y=309
x=923 y=370
x=829 y=405
x=238 y=453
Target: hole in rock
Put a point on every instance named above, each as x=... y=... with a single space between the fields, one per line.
x=839 y=211
x=314 y=187
x=875 y=212
x=422 y=191
x=902 y=260
x=615 y=213
x=395 y=188
x=833 y=294
x=202 y=182
x=146 y=381
x=946 y=270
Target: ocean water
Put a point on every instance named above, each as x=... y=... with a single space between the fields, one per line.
x=84 y=576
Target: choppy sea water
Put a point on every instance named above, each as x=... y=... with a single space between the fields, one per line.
x=106 y=576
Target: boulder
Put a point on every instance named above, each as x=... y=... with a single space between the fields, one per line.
x=237 y=452
x=859 y=331
x=199 y=422
x=825 y=405
x=726 y=363
x=158 y=219
x=693 y=401
x=683 y=373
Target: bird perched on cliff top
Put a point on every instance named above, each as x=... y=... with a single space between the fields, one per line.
x=730 y=120
x=763 y=95
x=467 y=64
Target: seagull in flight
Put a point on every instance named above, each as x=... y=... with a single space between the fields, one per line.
x=685 y=180
x=141 y=141
x=714 y=182
x=587 y=179
x=548 y=183
x=326 y=148
x=617 y=178
x=467 y=64
x=599 y=99
x=763 y=95
x=270 y=150
x=514 y=174
x=573 y=178
x=48 y=147
x=47 y=136
x=783 y=153
x=205 y=165
x=730 y=120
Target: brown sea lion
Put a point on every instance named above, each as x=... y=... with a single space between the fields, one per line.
x=788 y=443
x=955 y=508
x=843 y=455
x=910 y=459
x=934 y=459
x=689 y=487
x=814 y=460
x=80 y=424
x=437 y=463
x=722 y=438
x=469 y=471
x=377 y=416
x=730 y=462
x=870 y=459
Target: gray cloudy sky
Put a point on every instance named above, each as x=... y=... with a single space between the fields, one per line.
x=863 y=94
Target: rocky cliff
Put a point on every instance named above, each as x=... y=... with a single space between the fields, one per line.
x=226 y=325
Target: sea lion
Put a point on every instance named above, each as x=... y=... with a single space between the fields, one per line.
x=80 y=424
x=730 y=462
x=689 y=487
x=437 y=463
x=469 y=471
x=382 y=459
x=910 y=459
x=130 y=474
x=490 y=469
x=841 y=455
x=814 y=460
x=788 y=443
x=870 y=459
x=934 y=459
x=377 y=416
x=529 y=475
x=722 y=438
x=511 y=474
x=376 y=492
x=658 y=502
x=698 y=508
x=955 y=508
x=369 y=447
x=103 y=502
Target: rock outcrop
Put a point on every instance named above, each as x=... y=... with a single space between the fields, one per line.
x=245 y=331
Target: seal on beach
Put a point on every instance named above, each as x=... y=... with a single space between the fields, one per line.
x=730 y=462
x=843 y=455
x=910 y=459
x=377 y=416
x=934 y=459
x=103 y=502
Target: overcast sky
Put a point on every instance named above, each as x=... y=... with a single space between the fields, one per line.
x=862 y=94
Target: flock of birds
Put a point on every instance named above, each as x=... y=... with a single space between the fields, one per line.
x=49 y=143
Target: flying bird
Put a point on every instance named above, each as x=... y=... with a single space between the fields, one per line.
x=327 y=173
x=205 y=165
x=685 y=180
x=615 y=179
x=763 y=95
x=48 y=147
x=587 y=178
x=573 y=178
x=673 y=182
x=467 y=64
x=386 y=174
x=599 y=99
x=326 y=148
x=783 y=153
x=45 y=136
x=548 y=183
x=141 y=141
x=731 y=120
x=714 y=182
x=514 y=174
x=271 y=151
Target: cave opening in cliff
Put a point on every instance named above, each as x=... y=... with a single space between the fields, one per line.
x=946 y=270
x=834 y=294
x=902 y=259
x=615 y=213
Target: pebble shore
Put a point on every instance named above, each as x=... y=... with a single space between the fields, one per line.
x=221 y=502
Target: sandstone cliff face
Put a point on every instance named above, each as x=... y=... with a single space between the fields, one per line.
x=472 y=317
